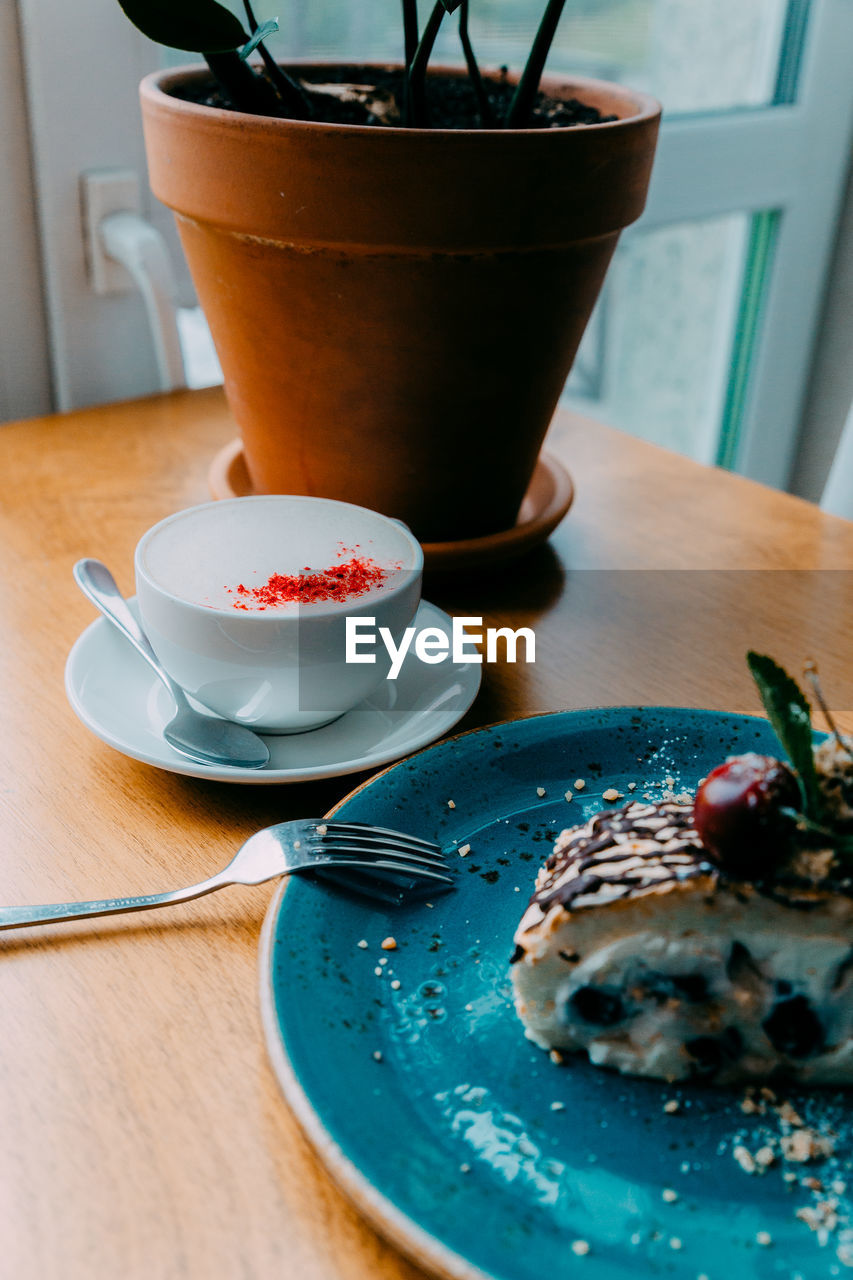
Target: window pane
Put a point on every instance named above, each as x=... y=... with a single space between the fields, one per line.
x=694 y=57
x=673 y=334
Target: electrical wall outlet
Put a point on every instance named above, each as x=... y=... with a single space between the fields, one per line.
x=102 y=192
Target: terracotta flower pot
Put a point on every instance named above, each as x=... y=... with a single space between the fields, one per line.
x=396 y=310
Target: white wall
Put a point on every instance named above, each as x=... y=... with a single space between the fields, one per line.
x=25 y=384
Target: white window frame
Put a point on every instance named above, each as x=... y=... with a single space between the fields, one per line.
x=790 y=160
x=25 y=377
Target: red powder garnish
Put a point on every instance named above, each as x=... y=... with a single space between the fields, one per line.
x=339 y=582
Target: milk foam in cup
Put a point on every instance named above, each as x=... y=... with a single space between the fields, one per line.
x=245 y=602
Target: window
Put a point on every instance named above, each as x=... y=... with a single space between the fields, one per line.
x=703 y=336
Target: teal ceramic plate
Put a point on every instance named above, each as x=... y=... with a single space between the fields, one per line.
x=408 y=1069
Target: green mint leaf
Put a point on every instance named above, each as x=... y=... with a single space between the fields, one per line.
x=790 y=715
x=196 y=26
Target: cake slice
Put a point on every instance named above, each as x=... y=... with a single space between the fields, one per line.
x=640 y=950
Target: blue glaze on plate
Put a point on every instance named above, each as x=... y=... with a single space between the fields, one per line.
x=450 y=1143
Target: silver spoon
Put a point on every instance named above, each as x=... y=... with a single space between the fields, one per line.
x=205 y=738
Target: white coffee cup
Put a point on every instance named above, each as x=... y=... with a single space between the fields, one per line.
x=277 y=668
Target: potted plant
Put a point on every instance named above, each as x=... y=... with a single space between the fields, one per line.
x=396 y=264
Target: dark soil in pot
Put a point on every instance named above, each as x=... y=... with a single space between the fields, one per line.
x=365 y=96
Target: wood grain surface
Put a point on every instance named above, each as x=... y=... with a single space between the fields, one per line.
x=141 y=1127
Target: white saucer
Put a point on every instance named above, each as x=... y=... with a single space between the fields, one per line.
x=116 y=695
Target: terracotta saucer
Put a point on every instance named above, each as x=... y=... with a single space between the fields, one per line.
x=548 y=498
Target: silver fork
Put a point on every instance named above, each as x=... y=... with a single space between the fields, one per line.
x=382 y=863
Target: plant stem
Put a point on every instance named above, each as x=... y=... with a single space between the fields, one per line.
x=410 y=30
x=416 y=99
x=810 y=672
x=245 y=90
x=487 y=118
x=524 y=98
x=293 y=98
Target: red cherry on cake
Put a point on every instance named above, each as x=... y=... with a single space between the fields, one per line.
x=738 y=814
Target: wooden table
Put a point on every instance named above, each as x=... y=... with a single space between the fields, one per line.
x=141 y=1126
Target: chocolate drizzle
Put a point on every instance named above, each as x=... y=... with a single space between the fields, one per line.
x=621 y=852
x=643 y=848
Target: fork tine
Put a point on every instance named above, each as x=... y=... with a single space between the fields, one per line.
x=385 y=847
x=408 y=869
x=391 y=840
x=367 y=831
